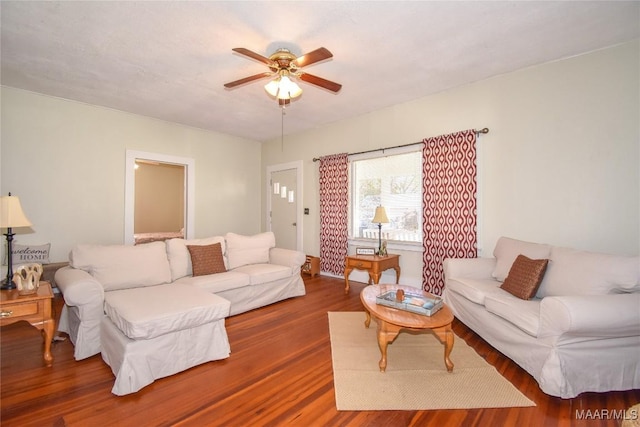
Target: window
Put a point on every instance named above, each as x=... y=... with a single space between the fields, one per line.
x=395 y=182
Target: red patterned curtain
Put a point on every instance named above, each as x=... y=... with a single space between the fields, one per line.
x=334 y=208
x=449 y=216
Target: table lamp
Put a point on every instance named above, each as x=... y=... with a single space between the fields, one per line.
x=381 y=218
x=11 y=216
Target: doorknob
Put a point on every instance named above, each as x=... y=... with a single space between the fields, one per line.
x=295 y=224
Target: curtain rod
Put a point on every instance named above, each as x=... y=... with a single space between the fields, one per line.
x=315 y=159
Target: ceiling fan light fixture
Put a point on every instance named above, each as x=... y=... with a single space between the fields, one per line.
x=288 y=88
x=283 y=87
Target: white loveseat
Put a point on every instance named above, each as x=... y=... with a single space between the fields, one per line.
x=257 y=274
x=581 y=330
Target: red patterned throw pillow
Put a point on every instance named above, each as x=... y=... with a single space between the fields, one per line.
x=525 y=277
x=206 y=259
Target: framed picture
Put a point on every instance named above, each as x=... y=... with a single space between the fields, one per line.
x=363 y=250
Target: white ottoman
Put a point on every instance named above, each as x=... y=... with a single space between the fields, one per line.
x=142 y=323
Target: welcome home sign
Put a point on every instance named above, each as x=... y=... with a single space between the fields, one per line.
x=21 y=254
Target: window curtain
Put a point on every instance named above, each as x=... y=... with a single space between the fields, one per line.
x=449 y=216
x=334 y=208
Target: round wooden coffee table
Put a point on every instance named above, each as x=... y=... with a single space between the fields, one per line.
x=392 y=320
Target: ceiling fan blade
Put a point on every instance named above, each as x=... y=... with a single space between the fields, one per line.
x=319 y=81
x=313 y=57
x=248 y=79
x=253 y=55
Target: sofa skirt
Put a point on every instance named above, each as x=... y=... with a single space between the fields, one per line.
x=138 y=363
x=85 y=335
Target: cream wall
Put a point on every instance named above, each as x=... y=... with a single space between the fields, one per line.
x=560 y=164
x=66 y=162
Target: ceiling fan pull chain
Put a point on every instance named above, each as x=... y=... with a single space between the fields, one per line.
x=282 y=130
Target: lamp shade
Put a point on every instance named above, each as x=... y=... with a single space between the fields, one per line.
x=272 y=87
x=11 y=214
x=381 y=216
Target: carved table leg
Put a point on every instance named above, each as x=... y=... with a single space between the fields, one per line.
x=375 y=276
x=386 y=334
x=445 y=335
x=367 y=320
x=347 y=272
x=47 y=332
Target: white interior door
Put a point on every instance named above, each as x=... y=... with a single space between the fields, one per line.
x=284 y=214
x=284 y=202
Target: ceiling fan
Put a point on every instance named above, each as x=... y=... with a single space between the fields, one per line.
x=286 y=65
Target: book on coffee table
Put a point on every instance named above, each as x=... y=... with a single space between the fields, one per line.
x=414 y=303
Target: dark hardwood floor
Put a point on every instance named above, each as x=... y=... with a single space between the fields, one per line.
x=279 y=373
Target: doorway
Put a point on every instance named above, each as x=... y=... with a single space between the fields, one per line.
x=186 y=204
x=284 y=201
x=159 y=198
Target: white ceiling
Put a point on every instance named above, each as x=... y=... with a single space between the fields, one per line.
x=169 y=60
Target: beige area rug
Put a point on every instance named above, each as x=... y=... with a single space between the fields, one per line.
x=416 y=377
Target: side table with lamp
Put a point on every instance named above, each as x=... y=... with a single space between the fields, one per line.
x=35 y=306
x=374 y=264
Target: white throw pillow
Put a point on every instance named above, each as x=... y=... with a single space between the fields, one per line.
x=507 y=250
x=245 y=250
x=180 y=259
x=575 y=272
x=123 y=266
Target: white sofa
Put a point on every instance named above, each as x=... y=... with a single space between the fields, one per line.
x=581 y=330
x=257 y=274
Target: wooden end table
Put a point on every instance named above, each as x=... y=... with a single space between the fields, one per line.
x=35 y=309
x=392 y=320
x=374 y=264
x=311 y=266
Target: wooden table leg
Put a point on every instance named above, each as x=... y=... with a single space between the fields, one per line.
x=347 y=272
x=448 y=346
x=47 y=332
x=367 y=320
x=445 y=335
x=386 y=334
x=375 y=276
